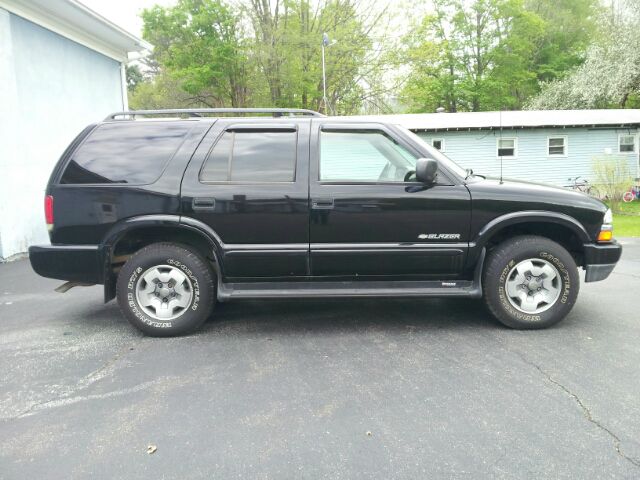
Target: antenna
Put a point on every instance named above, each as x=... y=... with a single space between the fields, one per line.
x=500 y=116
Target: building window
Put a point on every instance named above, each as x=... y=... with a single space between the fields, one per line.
x=438 y=144
x=557 y=146
x=507 y=147
x=626 y=143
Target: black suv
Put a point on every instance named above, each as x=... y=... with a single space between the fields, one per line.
x=174 y=210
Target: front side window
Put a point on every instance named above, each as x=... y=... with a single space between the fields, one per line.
x=557 y=146
x=363 y=156
x=252 y=156
x=126 y=152
x=627 y=143
x=507 y=147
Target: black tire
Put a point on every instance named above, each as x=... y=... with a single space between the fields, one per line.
x=500 y=263
x=201 y=288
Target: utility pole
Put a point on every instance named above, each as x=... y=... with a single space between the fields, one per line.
x=325 y=43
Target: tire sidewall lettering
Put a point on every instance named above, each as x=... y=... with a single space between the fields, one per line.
x=133 y=278
x=132 y=302
x=503 y=296
x=194 y=280
x=564 y=274
x=564 y=296
x=133 y=306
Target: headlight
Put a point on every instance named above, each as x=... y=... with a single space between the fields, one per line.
x=606 y=231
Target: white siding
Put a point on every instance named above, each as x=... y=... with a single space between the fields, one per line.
x=477 y=150
x=50 y=89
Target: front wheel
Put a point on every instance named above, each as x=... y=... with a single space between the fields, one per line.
x=530 y=282
x=165 y=290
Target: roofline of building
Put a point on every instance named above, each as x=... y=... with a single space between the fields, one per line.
x=510 y=120
x=596 y=126
x=75 y=21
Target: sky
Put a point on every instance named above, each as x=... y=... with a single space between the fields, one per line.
x=124 y=13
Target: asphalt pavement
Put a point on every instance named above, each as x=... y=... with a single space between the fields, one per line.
x=309 y=389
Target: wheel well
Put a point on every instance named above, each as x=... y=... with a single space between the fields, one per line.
x=135 y=239
x=561 y=234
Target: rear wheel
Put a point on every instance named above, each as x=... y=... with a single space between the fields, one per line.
x=530 y=282
x=166 y=289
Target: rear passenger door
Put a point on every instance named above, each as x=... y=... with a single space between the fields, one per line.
x=248 y=181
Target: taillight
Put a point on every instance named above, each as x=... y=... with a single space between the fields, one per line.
x=48 y=209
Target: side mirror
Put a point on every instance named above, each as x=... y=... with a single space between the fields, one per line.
x=426 y=169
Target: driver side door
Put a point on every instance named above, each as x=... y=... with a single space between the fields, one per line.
x=370 y=219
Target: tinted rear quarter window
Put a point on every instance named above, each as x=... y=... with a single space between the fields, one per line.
x=252 y=156
x=132 y=153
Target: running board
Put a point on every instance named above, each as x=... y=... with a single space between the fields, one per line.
x=319 y=289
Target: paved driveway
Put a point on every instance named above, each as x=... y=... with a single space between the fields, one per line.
x=319 y=389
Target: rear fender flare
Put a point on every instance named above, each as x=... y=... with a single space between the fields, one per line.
x=120 y=229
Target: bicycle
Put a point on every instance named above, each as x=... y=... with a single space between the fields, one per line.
x=582 y=185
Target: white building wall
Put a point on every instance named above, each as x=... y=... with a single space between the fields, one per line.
x=477 y=150
x=50 y=89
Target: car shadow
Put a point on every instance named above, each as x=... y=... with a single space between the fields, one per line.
x=296 y=316
x=348 y=314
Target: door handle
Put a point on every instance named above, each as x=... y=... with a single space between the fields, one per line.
x=322 y=203
x=203 y=203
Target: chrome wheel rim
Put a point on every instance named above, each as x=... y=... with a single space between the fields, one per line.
x=533 y=286
x=164 y=292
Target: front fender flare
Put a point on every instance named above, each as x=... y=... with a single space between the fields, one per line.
x=539 y=216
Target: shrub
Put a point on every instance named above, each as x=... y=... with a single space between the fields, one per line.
x=613 y=177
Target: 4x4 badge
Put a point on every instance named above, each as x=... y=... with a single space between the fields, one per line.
x=439 y=236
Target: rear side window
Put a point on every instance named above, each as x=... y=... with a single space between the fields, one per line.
x=134 y=153
x=254 y=156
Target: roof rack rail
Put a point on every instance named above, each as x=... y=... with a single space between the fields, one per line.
x=199 y=112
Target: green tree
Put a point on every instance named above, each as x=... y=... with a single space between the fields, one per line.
x=492 y=54
x=134 y=77
x=288 y=37
x=433 y=77
x=199 y=44
x=570 y=26
x=610 y=75
x=161 y=91
x=266 y=52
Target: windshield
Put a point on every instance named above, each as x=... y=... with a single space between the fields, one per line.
x=434 y=153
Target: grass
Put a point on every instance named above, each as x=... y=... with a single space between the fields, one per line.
x=631 y=208
x=627 y=222
x=626 y=225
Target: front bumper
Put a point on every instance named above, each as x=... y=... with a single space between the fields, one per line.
x=600 y=260
x=76 y=263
